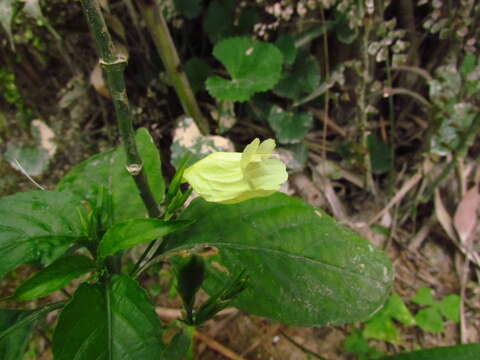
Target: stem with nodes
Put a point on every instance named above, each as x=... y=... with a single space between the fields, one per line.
x=114 y=66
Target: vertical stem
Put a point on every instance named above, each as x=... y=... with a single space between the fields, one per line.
x=364 y=78
x=156 y=24
x=114 y=66
x=327 y=82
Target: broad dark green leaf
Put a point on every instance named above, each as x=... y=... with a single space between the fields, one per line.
x=54 y=277
x=289 y=127
x=303 y=79
x=218 y=22
x=189 y=8
x=179 y=347
x=108 y=169
x=14 y=344
x=127 y=234
x=380 y=155
x=115 y=321
x=460 y=352
x=37 y=226
x=197 y=72
x=286 y=44
x=304 y=268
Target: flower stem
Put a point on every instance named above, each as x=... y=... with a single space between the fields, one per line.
x=114 y=66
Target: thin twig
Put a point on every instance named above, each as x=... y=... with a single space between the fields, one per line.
x=24 y=172
x=301 y=347
x=215 y=345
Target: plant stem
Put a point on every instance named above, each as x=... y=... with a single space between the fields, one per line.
x=363 y=123
x=156 y=24
x=114 y=66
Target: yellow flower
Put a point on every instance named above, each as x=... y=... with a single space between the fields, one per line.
x=231 y=177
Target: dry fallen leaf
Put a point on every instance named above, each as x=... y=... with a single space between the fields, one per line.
x=443 y=216
x=98 y=82
x=465 y=218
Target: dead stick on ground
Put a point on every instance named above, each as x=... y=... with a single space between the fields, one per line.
x=407 y=186
x=218 y=347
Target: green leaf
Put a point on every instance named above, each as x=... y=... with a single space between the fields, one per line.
x=355 y=343
x=13 y=346
x=253 y=65
x=380 y=155
x=197 y=72
x=54 y=277
x=450 y=307
x=179 y=346
x=344 y=33
x=429 y=319
x=304 y=268
x=302 y=79
x=424 y=296
x=108 y=169
x=189 y=8
x=382 y=328
x=286 y=44
x=37 y=226
x=218 y=22
x=460 y=352
x=468 y=65
x=397 y=309
x=289 y=127
x=112 y=321
x=132 y=232
x=7 y=11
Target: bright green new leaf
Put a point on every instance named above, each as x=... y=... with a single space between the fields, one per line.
x=460 y=352
x=13 y=345
x=231 y=177
x=108 y=169
x=429 y=319
x=115 y=321
x=424 y=296
x=450 y=307
x=397 y=309
x=303 y=267
x=254 y=67
x=382 y=328
x=37 y=226
x=127 y=234
x=355 y=343
x=289 y=127
x=54 y=277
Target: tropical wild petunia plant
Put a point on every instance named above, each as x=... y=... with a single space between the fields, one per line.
x=243 y=242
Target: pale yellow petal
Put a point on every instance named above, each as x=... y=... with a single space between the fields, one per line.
x=266 y=147
x=267 y=175
x=249 y=152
